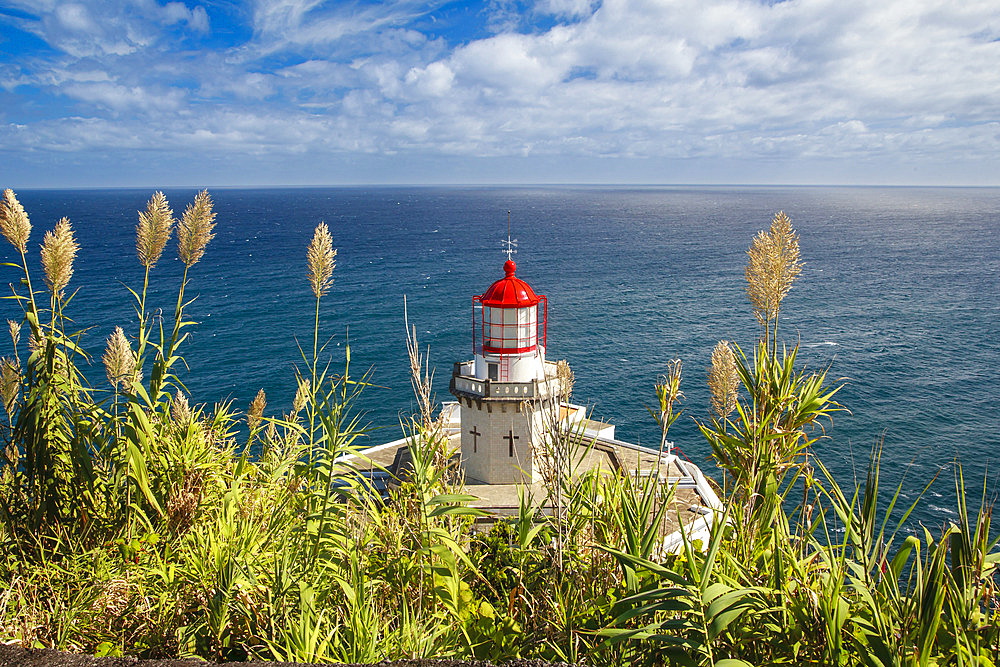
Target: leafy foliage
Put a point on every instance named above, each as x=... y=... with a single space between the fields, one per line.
x=136 y=524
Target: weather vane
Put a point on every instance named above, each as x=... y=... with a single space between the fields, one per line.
x=510 y=245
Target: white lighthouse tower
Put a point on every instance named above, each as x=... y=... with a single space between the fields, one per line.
x=506 y=389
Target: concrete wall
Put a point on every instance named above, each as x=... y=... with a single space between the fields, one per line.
x=487 y=454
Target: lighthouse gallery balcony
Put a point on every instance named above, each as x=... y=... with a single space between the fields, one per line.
x=465 y=382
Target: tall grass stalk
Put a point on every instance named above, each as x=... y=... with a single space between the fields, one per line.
x=194 y=231
x=152 y=234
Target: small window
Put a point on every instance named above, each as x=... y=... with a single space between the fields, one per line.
x=492 y=372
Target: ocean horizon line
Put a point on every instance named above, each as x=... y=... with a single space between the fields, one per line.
x=472 y=186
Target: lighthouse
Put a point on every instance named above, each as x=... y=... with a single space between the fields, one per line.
x=507 y=391
x=513 y=424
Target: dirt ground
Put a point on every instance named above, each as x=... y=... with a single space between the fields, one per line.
x=16 y=656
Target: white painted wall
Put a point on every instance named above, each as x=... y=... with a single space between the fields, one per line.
x=486 y=456
x=522 y=367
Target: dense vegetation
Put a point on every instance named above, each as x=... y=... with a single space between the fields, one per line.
x=134 y=523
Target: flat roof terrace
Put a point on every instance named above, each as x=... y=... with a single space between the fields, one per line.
x=689 y=501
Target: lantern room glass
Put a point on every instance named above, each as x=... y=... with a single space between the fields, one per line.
x=511 y=328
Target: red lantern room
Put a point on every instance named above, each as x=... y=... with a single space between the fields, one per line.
x=505 y=328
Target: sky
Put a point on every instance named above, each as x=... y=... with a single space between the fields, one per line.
x=106 y=93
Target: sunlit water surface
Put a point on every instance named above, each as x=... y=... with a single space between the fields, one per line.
x=899 y=296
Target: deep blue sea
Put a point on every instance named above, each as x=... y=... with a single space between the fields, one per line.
x=900 y=295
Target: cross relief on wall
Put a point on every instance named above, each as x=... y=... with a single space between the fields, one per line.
x=510 y=438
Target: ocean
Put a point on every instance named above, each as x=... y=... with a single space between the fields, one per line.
x=899 y=296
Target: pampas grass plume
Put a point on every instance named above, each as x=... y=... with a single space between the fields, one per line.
x=668 y=387
x=153 y=230
x=321 y=260
x=119 y=360
x=195 y=229
x=35 y=342
x=256 y=410
x=180 y=409
x=301 y=396
x=15 y=332
x=723 y=380
x=773 y=264
x=10 y=384
x=59 y=249
x=14 y=221
x=566 y=377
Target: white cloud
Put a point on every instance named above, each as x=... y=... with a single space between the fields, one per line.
x=509 y=64
x=178 y=12
x=723 y=79
x=123 y=98
x=565 y=8
x=75 y=17
x=435 y=80
x=108 y=27
x=312 y=24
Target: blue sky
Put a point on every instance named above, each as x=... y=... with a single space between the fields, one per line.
x=303 y=92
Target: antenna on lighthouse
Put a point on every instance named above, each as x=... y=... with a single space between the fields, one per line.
x=510 y=245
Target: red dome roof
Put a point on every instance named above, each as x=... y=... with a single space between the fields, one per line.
x=509 y=291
